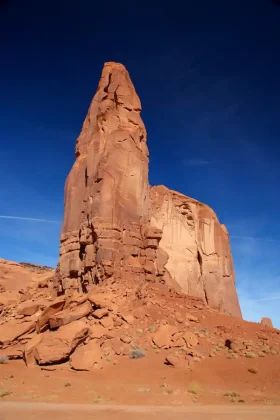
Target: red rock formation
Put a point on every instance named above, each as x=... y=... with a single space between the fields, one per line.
x=197 y=247
x=266 y=322
x=116 y=226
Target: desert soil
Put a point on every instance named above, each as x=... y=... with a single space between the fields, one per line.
x=33 y=411
x=147 y=381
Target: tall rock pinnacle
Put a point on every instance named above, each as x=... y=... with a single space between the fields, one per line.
x=117 y=227
x=107 y=190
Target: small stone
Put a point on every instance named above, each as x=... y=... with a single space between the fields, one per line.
x=192 y=318
x=119 y=347
x=190 y=339
x=179 y=319
x=128 y=318
x=126 y=339
x=173 y=361
x=107 y=322
x=100 y=313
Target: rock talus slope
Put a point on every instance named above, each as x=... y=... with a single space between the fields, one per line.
x=117 y=227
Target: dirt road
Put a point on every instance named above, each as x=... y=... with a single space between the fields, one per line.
x=46 y=411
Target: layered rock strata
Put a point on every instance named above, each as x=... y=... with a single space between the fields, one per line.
x=117 y=227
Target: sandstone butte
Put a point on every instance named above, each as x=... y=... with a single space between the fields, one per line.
x=117 y=227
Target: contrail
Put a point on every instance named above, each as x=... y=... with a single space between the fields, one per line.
x=31 y=219
x=267 y=298
x=254 y=238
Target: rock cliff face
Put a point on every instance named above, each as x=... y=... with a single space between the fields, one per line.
x=106 y=228
x=198 y=248
x=117 y=227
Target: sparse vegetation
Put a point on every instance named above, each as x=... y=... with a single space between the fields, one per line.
x=137 y=354
x=253 y=370
x=4 y=393
x=142 y=389
x=67 y=384
x=151 y=329
x=3 y=359
x=250 y=355
x=232 y=394
x=194 y=388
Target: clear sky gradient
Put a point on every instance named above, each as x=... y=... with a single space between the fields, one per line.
x=208 y=75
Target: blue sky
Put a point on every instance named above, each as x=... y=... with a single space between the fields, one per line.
x=208 y=77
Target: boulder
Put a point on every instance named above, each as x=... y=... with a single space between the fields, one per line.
x=163 y=336
x=190 y=339
x=30 y=349
x=107 y=322
x=13 y=352
x=177 y=340
x=28 y=308
x=75 y=299
x=121 y=349
x=97 y=331
x=236 y=345
x=43 y=321
x=9 y=298
x=69 y=315
x=98 y=299
x=55 y=347
x=14 y=329
x=87 y=357
x=100 y=313
x=174 y=361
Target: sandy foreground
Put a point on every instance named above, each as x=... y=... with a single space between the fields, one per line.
x=46 y=411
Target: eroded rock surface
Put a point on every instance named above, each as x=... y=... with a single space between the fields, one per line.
x=266 y=322
x=197 y=247
x=117 y=227
x=107 y=190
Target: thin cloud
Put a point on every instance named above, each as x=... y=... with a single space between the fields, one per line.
x=267 y=298
x=196 y=162
x=31 y=219
x=254 y=238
